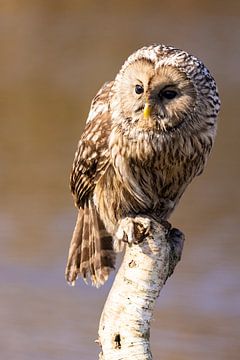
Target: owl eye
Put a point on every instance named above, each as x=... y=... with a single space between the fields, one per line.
x=169 y=94
x=139 y=89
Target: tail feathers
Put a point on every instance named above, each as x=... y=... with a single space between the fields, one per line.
x=91 y=249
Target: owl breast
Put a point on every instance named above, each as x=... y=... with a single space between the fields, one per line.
x=147 y=174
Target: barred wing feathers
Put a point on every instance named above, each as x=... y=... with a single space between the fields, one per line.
x=91 y=253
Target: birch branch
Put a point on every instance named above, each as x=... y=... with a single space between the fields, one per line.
x=124 y=329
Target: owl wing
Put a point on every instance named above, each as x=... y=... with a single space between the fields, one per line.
x=92 y=156
x=91 y=252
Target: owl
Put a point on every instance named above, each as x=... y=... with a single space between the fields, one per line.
x=148 y=134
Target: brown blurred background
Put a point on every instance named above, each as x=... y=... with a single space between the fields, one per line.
x=54 y=57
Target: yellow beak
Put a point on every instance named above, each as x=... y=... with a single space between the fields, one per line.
x=146 y=111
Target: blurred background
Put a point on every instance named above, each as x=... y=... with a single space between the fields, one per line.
x=54 y=57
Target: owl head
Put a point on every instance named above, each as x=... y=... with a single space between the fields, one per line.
x=162 y=88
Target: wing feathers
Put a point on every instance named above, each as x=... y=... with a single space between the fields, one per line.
x=91 y=251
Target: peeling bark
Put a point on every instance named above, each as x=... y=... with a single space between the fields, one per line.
x=124 y=329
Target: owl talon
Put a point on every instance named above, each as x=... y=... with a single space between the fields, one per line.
x=132 y=231
x=125 y=231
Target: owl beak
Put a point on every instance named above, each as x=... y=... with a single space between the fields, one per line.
x=146 y=111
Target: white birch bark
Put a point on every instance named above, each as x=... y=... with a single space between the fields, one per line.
x=124 y=329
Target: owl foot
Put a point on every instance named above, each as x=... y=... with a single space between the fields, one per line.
x=132 y=231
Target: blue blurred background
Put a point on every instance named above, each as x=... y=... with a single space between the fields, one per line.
x=54 y=57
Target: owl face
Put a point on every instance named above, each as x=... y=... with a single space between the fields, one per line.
x=162 y=88
x=156 y=98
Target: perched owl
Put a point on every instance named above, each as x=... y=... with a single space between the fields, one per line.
x=148 y=134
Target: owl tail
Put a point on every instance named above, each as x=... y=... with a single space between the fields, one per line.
x=91 y=250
